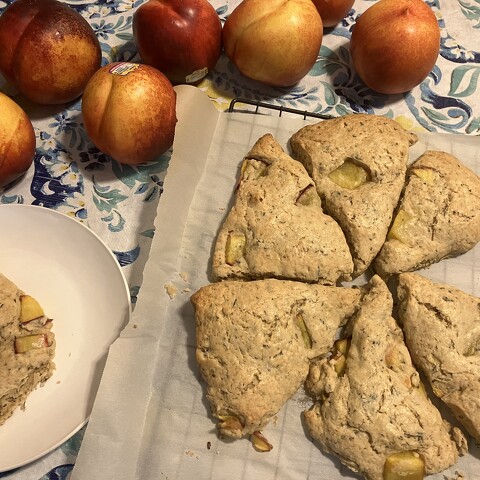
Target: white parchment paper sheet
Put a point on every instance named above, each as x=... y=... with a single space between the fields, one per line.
x=151 y=419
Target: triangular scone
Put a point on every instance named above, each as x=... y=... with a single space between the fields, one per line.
x=438 y=216
x=442 y=331
x=358 y=163
x=255 y=339
x=27 y=347
x=276 y=227
x=375 y=407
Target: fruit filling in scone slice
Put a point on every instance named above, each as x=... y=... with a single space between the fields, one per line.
x=276 y=227
x=371 y=409
x=438 y=216
x=27 y=347
x=358 y=163
x=442 y=331
x=254 y=341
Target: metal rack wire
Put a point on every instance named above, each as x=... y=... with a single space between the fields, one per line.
x=235 y=106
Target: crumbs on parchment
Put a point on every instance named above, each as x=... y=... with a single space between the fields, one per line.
x=171 y=289
x=184 y=276
x=458 y=476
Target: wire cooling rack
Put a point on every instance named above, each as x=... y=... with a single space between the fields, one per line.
x=244 y=105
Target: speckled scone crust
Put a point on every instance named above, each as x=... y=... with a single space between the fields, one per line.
x=20 y=373
x=278 y=218
x=438 y=216
x=380 y=147
x=442 y=331
x=378 y=406
x=254 y=342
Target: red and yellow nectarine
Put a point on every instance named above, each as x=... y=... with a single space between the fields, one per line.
x=129 y=112
x=181 y=39
x=49 y=51
x=395 y=44
x=275 y=42
x=17 y=141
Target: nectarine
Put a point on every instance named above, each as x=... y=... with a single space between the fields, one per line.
x=129 y=112
x=49 y=51
x=17 y=141
x=182 y=39
x=395 y=44
x=275 y=42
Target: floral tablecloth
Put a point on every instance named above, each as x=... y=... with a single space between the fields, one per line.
x=119 y=202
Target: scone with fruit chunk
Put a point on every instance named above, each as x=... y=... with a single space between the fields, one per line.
x=358 y=163
x=442 y=331
x=27 y=347
x=372 y=410
x=255 y=340
x=438 y=216
x=276 y=227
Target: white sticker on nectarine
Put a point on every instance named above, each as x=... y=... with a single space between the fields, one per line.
x=196 y=75
x=123 y=68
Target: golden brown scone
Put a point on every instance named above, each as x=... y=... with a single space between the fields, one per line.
x=442 y=331
x=276 y=227
x=358 y=163
x=376 y=406
x=438 y=216
x=27 y=347
x=255 y=339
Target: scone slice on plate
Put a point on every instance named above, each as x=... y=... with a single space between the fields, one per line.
x=438 y=216
x=27 y=347
x=442 y=331
x=372 y=411
x=358 y=163
x=254 y=341
x=276 y=227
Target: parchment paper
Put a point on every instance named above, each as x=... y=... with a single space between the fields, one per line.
x=150 y=419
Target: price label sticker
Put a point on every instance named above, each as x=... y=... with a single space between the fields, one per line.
x=196 y=75
x=123 y=68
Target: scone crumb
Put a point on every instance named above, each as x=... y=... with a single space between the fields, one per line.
x=191 y=454
x=458 y=476
x=184 y=276
x=171 y=289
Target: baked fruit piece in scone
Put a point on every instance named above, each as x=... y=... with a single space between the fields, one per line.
x=276 y=227
x=438 y=215
x=372 y=411
x=27 y=347
x=254 y=341
x=442 y=331
x=358 y=163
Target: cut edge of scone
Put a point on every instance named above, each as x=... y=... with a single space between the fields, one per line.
x=27 y=349
x=438 y=215
x=254 y=341
x=442 y=330
x=297 y=241
x=368 y=425
x=342 y=177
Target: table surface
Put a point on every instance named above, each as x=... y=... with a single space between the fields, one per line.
x=119 y=202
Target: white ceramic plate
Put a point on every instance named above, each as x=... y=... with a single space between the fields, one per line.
x=79 y=283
